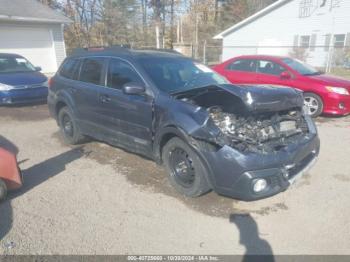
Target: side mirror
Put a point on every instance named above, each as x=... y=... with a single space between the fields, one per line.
x=134 y=89
x=38 y=68
x=285 y=75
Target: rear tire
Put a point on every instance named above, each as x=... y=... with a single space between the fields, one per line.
x=186 y=171
x=3 y=190
x=313 y=104
x=69 y=127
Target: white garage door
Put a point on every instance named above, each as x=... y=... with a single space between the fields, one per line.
x=35 y=44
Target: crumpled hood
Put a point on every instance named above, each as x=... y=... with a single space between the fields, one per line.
x=266 y=97
x=244 y=101
x=331 y=80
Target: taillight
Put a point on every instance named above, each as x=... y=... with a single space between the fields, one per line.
x=49 y=82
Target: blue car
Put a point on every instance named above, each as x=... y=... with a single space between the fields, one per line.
x=20 y=81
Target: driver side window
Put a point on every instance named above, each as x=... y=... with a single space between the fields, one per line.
x=121 y=73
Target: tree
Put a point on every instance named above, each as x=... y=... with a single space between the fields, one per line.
x=51 y=3
x=141 y=23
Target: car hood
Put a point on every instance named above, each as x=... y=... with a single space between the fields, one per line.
x=25 y=78
x=331 y=80
x=258 y=98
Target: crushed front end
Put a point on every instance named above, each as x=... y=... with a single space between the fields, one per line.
x=261 y=140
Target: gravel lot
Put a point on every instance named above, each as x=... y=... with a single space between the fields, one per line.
x=96 y=199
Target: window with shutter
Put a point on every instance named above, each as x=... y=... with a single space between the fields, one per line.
x=313 y=42
x=305 y=41
x=339 y=40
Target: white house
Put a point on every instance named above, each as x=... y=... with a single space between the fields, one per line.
x=33 y=30
x=319 y=27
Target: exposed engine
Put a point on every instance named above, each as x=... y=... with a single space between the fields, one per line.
x=259 y=133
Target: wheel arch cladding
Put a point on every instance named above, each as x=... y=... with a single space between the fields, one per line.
x=169 y=132
x=163 y=137
x=59 y=106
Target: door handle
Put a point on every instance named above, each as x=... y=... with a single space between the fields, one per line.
x=72 y=90
x=105 y=99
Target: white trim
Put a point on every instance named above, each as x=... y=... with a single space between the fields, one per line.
x=64 y=42
x=252 y=18
x=33 y=19
x=53 y=47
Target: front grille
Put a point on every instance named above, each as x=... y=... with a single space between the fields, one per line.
x=30 y=86
x=27 y=99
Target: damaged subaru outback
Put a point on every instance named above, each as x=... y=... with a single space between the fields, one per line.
x=245 y=142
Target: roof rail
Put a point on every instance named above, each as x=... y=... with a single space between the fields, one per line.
x=101 y=48
x=172 y=51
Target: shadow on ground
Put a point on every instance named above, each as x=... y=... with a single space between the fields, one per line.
x=33 y=177
x=250 y=239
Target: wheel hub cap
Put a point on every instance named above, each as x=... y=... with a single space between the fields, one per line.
x=67 y=125
x=311 y=105
x=181 y=166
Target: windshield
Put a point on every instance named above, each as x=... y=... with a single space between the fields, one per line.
x=174 y=75
x=301 y=67
x=15 y=64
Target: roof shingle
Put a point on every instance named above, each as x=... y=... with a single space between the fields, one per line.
x=30 y=10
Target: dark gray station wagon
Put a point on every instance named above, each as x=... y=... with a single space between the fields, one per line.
x=246 y=142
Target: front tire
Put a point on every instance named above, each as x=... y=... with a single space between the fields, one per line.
x=187 y=173
x=69 y=127
x=3 y=190
x=313 y=104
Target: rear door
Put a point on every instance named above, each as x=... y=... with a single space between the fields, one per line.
x=68 y=76
x=242 y=71
x=86 y=92
x=127 y=118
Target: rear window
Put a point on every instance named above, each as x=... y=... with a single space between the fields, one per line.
x=70 y=69
x=246 y=65
x=91 y=70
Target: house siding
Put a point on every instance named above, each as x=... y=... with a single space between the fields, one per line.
x=277 y=32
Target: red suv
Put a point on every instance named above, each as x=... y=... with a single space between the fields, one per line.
x=322 y=93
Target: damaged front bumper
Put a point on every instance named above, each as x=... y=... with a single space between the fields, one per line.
x=234 y=174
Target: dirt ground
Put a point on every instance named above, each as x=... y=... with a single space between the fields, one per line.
x=97 y=199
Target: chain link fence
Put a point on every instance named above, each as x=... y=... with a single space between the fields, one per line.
x=333 y=60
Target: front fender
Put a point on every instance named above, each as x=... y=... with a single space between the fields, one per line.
x=164 y=133
x=172 y=131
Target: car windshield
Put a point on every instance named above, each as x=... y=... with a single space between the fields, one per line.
x=13 y=64
x=301 y=67
x=174 y=75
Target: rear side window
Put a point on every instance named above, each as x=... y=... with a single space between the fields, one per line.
x=243 y=65
x=70 y=69
x=91 y=70
x=121 y=73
